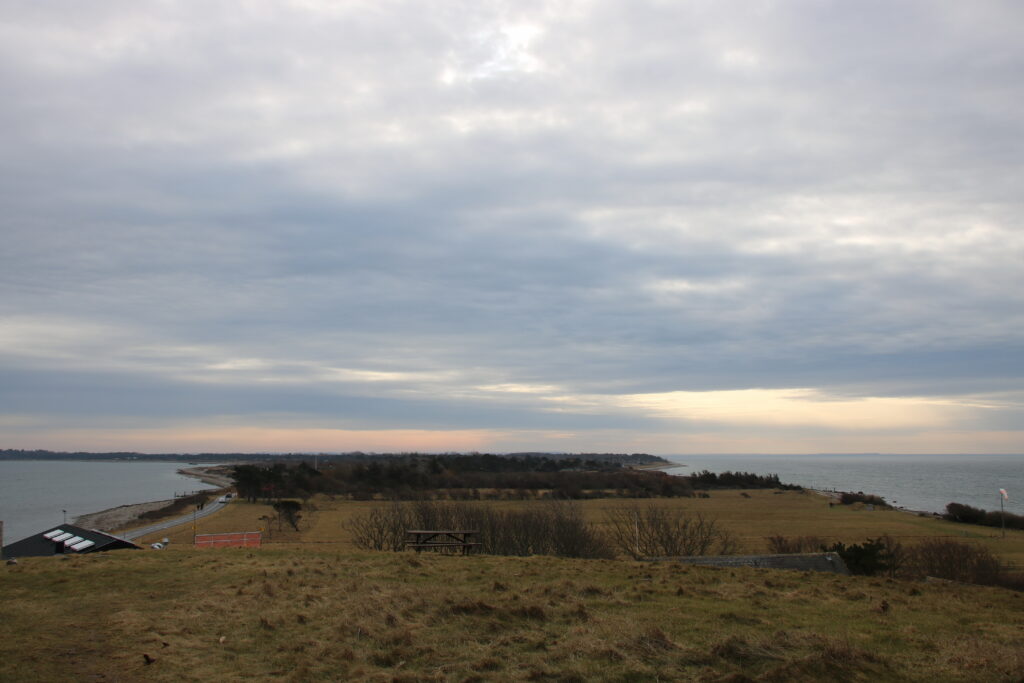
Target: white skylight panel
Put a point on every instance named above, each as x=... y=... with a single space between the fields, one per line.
x=63 y=537
x=82 y=545
x=51 y=534
x=73 y=540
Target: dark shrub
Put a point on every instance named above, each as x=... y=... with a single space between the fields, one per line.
x=849 y=498
x=871 y=557
x=946 y=558
x=965 y=514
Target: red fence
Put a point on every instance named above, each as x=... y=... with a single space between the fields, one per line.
x=240 y=539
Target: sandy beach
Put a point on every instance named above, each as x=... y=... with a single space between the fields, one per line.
x=123 y=516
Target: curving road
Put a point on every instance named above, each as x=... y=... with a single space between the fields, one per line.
x=208 y=509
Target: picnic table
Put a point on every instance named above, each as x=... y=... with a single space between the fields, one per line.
x=435 y=539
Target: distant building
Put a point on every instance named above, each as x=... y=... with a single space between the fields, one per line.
x=66 y=539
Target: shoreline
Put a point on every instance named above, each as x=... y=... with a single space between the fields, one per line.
x=113 y=519
x=656 y=466
x=208 y=474
x=124 y=516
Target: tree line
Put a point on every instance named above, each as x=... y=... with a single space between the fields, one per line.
x=958 y=512
x=414 y=477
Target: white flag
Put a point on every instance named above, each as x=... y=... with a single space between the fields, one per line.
x=1006 y=496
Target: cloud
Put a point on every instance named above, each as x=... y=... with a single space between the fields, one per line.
x=512 y=216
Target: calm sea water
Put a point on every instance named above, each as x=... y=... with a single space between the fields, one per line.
x=915 y=482
x=34 y=492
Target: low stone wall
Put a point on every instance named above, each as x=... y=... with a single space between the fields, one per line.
x=806 y=562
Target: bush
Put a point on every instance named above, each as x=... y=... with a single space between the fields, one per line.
x=881 y=555
x=557 y=528
x=946 y=558
x=660 y=532
x=849 y=498
x=965 y=514
x=942 y=558
x=782 y=545
x=739 y=480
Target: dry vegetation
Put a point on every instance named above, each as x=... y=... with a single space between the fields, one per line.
x=309 y=607
x=752 y=517
x=327 y=615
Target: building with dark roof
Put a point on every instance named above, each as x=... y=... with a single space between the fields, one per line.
x=66 y=539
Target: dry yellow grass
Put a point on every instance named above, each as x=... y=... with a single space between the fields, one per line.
x=753 y=518
x=310 y=613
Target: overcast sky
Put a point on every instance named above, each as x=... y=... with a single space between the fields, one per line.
x=669 y=227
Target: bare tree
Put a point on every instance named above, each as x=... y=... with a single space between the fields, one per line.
x=662 y=532
x=381 y=528
x=557 y=528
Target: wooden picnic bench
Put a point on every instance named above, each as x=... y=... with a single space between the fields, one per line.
x=422 y=539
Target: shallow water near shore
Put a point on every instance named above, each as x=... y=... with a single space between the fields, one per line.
x=33 y=493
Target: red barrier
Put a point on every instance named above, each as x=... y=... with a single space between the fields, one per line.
x=240 y=539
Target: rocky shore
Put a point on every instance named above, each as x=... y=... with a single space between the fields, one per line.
x=125 y=516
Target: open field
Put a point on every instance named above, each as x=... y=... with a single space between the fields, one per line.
x=309 y=606
x=753 y=516
x=320 y=614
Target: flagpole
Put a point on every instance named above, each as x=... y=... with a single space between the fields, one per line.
x=1002 y=515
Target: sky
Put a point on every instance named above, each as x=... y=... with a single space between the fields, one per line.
x=633 y=226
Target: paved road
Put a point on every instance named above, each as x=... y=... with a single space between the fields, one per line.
x=208 y=509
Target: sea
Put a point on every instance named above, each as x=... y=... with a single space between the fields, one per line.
x=925 y=483
x=37 y=494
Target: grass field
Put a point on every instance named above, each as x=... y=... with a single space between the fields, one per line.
x=753 y=518
x=308 y=606
x=318 y=614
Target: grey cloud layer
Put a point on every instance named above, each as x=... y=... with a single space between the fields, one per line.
x=606 y=197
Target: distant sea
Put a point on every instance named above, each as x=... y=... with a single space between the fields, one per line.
x=34 y=492
x=915 y=482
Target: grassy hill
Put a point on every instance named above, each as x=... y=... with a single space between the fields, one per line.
x=315 y=614
x=309 y=607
